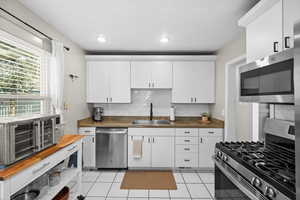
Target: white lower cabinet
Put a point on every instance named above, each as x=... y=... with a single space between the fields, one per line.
x=145 y=160
x=162 y=151
x=207 y=149
x=157 y=147
x=89 y=152
x=88 y=146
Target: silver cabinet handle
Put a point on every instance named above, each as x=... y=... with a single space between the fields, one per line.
x=192 y=99
x=93 y=140
x=201 y=140
x=87 y=131
x=211 y=132
x=107 y=99
x=195 y=99
x=149 y=85
x=153 y=140
x=187 y=149
x=148 y=140
x=39 y=169
x=187 y=140
x=152 y=85
x=187 y=160
x=187 y=132
x=110 y=99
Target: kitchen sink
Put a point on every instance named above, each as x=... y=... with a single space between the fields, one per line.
x=150 y=122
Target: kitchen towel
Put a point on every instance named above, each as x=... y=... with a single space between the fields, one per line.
x=137 y=149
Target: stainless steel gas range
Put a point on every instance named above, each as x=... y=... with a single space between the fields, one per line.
x=256 y=170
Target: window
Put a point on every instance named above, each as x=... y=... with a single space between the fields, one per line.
x=22 y=77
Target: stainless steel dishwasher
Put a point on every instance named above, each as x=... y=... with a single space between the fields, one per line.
x=111 y=147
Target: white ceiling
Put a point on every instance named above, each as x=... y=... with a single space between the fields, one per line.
x=137 y=25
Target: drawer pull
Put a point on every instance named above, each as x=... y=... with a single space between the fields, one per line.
x=187 y=140
x=187 y=149
x=39 y=169
x=211 y=132
x=187 y=132
x=87 y=131
x=187 y=160
x=72 y=148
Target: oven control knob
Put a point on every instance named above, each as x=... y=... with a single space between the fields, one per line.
x=225 y=158
x=270 y=192
x=220 y=154
x=257 y=182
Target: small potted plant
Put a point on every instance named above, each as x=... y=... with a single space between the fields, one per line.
x=205 y=117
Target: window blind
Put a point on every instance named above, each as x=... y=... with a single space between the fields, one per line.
x=20 y=70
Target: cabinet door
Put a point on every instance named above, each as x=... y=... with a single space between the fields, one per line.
x=290 y=15
x=97 y=82
x=184 y=80
x=119 y=82
x=263 y=32
x=145 y=160
x=161 y=75
x=141 y=74
x=205 y=83
x=162 y=151
x=206 y=151
x=89 y=151
x=193 y=82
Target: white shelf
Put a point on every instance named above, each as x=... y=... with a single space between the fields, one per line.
x=66 y=177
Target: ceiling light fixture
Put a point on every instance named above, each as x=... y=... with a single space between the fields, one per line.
x=101 y=38
x=164 y=39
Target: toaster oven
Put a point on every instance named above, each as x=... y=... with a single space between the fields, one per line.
x=22 y=137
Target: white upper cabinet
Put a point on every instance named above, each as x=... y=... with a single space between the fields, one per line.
x=291 y=14
x=269 y=27
x=97 y=83
x=264 y=34
x=151 y=74
x=108 y=82
x=193 y=82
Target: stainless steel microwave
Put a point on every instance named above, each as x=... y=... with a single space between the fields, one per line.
x=22 y=137
x=268 y=80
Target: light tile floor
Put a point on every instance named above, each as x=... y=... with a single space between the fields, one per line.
x=105 y=185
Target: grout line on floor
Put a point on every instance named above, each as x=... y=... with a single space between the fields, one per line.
x=206 y=187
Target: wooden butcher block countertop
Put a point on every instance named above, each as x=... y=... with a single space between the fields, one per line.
x=23 y=164
x=181 y=122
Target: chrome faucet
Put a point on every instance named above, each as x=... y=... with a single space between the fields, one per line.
x=151 y=111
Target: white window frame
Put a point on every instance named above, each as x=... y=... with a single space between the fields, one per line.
x=44 y=85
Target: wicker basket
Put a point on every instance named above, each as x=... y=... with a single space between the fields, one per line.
x=63 y=194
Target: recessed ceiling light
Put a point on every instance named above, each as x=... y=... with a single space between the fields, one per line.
x=101 y=38
x=164 y=39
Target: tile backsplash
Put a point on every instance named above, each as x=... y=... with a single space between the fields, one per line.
x=161 y=99
x=285 y=112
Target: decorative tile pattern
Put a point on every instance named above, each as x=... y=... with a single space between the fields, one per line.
x=105 y=185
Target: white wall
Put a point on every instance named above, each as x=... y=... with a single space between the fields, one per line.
x=74 y=63
x=232 y=50
x=161 y=100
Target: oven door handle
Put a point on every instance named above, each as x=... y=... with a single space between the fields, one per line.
x=239 y=181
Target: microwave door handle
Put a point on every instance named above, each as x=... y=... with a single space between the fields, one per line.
x=38 y=136
x=12 y=154
x=53 y=130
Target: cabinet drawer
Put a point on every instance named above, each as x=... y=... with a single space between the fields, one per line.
x=26 y=176
x=87 y=131
x=187 y=132
x=72 y=148
x=210 y=131
x=186 y=148
x=187 y=140
x=186 y=160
